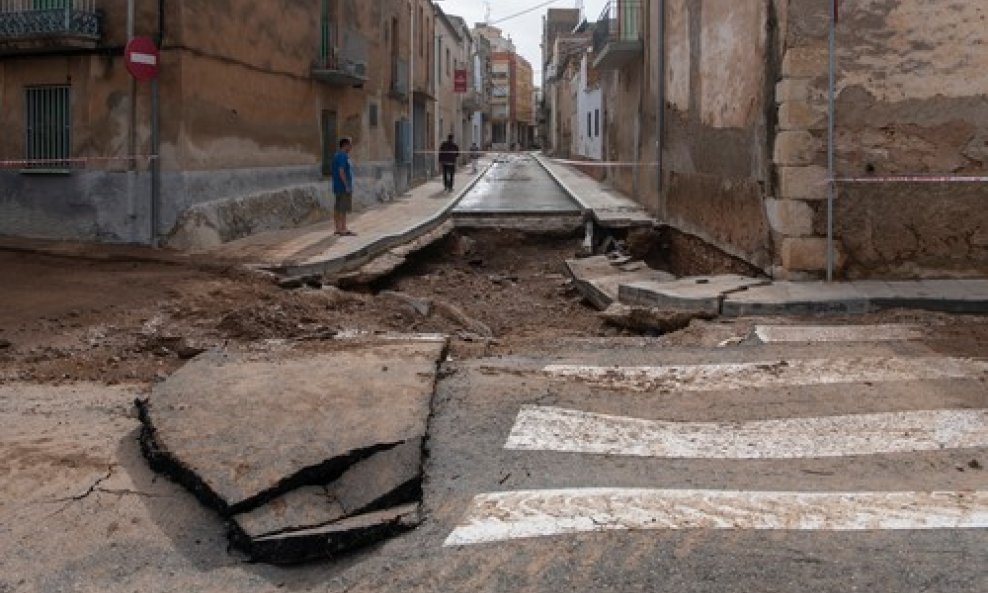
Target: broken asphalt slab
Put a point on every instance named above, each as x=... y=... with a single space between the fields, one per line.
x=598 y=278
x=284 y=442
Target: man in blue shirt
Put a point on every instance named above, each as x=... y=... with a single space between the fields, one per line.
x=342 y=174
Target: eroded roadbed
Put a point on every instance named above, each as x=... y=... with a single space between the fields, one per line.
x=306 y=451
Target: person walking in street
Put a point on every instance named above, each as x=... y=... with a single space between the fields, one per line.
x=342 y=174
x=449 y=153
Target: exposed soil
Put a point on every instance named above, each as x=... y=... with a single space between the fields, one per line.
x=70 y=319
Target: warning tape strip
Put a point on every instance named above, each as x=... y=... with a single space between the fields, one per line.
x=912 y=179
x=74 y=160
x=603 y=163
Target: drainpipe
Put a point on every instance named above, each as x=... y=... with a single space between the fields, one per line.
x=831 y=121
x=155 y=135
x=132 y=129
x=411 y=97
x=660 y=121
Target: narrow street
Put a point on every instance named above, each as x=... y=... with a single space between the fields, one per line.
x=516 y=185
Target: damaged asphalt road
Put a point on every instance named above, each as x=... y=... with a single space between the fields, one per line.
x=307 y=453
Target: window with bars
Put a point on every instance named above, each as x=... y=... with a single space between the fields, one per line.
x=48 y=140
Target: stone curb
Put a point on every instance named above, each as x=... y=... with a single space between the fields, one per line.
x=820 y=299
x=586 y=210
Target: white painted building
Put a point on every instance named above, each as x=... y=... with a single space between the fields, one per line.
x=589 y=142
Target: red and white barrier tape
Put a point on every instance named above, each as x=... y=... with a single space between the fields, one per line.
x=603 y=163
x=72 y=161
x=913 y=179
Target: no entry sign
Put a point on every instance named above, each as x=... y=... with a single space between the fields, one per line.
x=142 y=58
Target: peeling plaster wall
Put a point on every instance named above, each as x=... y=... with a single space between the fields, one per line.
x=716 y=150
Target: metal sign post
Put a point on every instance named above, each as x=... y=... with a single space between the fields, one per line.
x=831 y=148
x=142 y=59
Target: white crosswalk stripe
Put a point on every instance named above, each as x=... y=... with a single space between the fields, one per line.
x=752 y=375
x=571 y=431
x=540 y=513
x=781 y=334
x=503 y=516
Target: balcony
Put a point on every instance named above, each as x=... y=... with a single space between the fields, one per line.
x=342 y=58
x=48 y=25
x=617 y=37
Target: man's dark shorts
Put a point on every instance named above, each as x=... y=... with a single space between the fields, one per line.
x=344 y=203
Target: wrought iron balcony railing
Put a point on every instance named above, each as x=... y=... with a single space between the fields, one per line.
x=53 y=23
x=342 y=58
x=617 y=36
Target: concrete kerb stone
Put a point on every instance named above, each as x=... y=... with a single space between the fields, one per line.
x=856 y=298
x=361 y=256
x=584 y=207
x=701 y=295
x=948 y=296
x=797 y=298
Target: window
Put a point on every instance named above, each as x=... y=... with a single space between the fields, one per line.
x=448 y=60
x=48 y=127
x=421 y=33
x=499 y=133
x=589 y=126
x=596 y=123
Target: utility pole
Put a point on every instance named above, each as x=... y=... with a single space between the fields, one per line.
x=411 y=97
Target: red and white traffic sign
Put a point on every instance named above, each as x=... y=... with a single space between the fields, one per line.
x=142 y=58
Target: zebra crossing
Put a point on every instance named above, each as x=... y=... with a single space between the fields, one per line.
x=501 y=516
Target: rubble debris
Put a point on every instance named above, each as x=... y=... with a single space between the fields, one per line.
x=455 y=314
x=651 y=320
x=421 y=306
x=296 y=282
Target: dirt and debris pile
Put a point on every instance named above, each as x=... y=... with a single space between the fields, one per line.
x=308 y=451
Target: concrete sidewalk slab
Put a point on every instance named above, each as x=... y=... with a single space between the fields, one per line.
x=256 y=435
x=797 y=298
x=316 y=249
x=701 y=295
x=950 y=296
x=608 y=207
x=599 y=278
x=851 y=298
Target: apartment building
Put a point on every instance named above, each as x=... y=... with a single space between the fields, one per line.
x=724 y=106
x=252 y=99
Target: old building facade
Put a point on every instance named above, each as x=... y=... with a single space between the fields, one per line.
x=253 y=99
x=724 y=106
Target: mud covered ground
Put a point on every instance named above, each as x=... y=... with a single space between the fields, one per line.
x=74 y=319
x=82 y=336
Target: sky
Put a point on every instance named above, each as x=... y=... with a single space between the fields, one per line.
x=525 y=31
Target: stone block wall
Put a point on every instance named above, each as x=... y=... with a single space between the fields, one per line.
x=911 y=100
x=800 y=160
